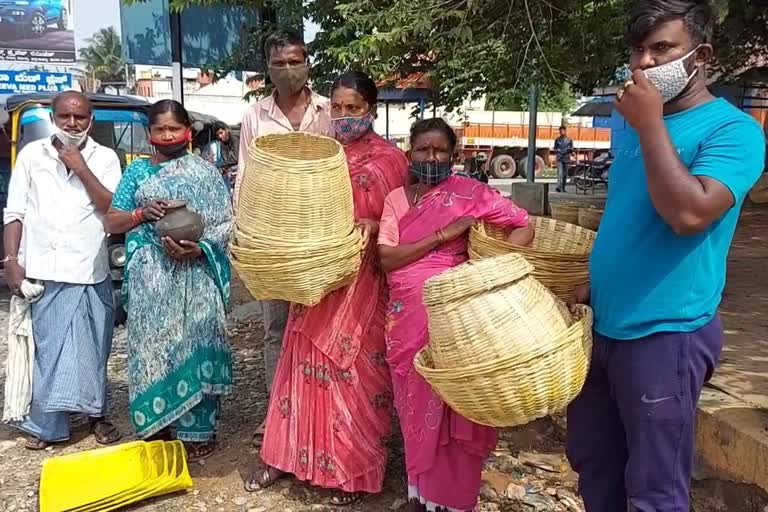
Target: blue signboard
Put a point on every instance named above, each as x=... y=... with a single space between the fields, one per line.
x=16 y=82
x=209 y=34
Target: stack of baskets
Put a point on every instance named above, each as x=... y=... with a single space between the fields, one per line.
x=295 y=236
x=559 y=252
x=113 y=478
x=589 y=217
x=503 y=350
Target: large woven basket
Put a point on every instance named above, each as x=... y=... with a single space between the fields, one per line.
x=520 y=388
x=559 y=252
x=295 y=236
x=488 y=309
x=296 y=186
x=566 y=212
x=759 y=192
x=589 y=218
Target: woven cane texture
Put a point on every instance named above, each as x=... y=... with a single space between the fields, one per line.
x=488 y=308
x=559 y=252
x=514 y=389
x=295 y=235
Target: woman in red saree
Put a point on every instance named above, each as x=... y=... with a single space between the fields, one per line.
x=423 y=233
x=330 y=410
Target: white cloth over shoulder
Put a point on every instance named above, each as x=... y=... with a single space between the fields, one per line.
x=20 y=365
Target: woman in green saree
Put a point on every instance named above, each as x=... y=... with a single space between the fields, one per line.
x=179 y=359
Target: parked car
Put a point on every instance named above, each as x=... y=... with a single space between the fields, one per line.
x=120 y=123
x=34 y=16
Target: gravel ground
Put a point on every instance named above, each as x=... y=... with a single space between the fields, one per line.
x=527 y=473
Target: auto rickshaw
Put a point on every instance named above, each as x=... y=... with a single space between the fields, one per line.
x=120 y=123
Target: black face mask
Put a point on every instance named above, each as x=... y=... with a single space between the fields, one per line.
x=431 y=173
x=172 y=150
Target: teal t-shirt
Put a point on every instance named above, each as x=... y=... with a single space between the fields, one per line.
x=645 y=278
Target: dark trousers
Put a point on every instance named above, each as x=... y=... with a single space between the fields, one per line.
x=562 y=174
x=631 y=430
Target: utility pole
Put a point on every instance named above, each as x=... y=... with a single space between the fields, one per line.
x=533 y=113
x=177 y=64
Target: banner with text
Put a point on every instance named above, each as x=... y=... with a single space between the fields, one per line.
x=17 y=82
x=37 y=31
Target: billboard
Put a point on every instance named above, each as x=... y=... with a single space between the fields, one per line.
x=37 y=31
x=209 y=33
x=17 y=82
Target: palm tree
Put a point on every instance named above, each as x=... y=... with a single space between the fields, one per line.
x=103 y=57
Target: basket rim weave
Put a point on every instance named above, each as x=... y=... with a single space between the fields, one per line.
x=255 y=147
x=583 y=316
x=471 y=276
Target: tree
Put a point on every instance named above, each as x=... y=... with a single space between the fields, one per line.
x=103 y=56
x=497 y=48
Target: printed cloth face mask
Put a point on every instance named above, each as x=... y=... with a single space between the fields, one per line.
x=431 y=173
x=671 y=78
x=349 y=129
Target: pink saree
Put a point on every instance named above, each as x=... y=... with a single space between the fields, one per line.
x=444 y=451
x=330 y=410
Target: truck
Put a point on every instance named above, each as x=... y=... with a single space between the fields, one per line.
x=503 y=141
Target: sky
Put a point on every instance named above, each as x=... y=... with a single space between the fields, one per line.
x=92 y=15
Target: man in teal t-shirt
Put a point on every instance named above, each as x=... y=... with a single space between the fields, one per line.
x=657 y=270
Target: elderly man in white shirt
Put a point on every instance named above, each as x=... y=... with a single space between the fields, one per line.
x=59 y=191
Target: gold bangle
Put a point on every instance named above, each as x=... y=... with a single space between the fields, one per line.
x=440 y=236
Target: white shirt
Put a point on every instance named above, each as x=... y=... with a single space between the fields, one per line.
x=63 y=239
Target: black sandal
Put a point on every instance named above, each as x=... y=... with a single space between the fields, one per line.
x=344 y=499
x=104 y=432
x=260 y=476
x=199 y=451
x=36 y=444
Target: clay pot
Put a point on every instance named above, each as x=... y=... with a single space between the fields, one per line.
x=179 y=223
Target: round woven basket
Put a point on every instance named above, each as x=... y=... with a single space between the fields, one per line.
x=487 y=309
x=559 y=252
x=296 y=186
x=566 y=212
x=589 y=218
x=759 y=192
x=517 y=389
x=295 y=236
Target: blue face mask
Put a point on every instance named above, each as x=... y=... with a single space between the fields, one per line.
x=431 y=173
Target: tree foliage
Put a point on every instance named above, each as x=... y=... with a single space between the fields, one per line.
x=492 y=48
x=103 y=57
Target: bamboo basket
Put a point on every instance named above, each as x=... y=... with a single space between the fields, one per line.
x=589 y=218
x=296 y=187
x=566 y=212
x=487 y=309
x=295 y=236
x=559 y=252
x=758 y=194
x=516 y=389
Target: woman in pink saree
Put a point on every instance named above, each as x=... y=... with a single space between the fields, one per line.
x=423 y=233
x=330 y=410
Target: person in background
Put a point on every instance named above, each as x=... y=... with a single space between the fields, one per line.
x=563 y=152
x=423 y=232
x=676 y=188
x=59 y=191
x=179 y=359
x=330 y=410
x=223 y=153
x=291 y=107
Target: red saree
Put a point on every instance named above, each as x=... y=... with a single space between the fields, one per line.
x=330 y=410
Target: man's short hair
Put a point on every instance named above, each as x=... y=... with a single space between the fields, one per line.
x=280 y=39
x=646 y=15
x=70 y=94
